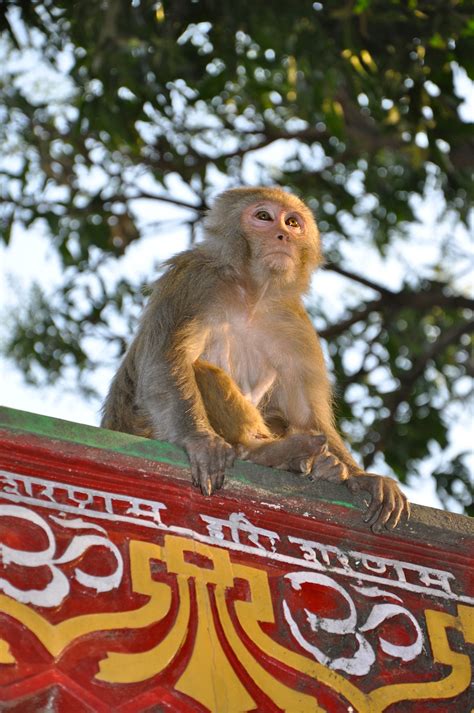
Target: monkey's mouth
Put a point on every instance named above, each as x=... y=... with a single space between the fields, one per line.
x=280 y=261
x=279 y=252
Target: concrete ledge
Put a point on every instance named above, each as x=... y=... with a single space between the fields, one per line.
x=244 y=480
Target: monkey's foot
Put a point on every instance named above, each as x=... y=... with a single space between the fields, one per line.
x=388 y=504
x=295 y=452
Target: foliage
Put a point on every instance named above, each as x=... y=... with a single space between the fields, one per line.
x=352 y=104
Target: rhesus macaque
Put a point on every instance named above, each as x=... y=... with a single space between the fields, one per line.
x=226 y=362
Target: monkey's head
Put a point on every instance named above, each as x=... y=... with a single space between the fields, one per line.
x=267 y=233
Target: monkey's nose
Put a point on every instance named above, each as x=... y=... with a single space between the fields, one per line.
x=282 y=236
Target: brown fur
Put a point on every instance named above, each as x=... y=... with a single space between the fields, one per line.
x=229 y=412
x=226 y=359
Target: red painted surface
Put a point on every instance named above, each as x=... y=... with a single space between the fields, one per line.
x=347 y=626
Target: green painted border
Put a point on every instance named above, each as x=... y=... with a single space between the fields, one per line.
x=78 y=433
x=275 y=482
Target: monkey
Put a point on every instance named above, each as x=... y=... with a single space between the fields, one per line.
x=226 y=362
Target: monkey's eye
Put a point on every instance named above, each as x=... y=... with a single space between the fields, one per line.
x=263 y=215
x=293 y=223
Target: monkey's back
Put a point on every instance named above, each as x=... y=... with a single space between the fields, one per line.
x=120 y=411
x=184 y=290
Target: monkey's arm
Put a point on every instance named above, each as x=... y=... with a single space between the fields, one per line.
x=172 y=335
x=304 y=397
x=388 y=504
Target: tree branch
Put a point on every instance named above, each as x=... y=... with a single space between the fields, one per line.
x=162 y=199
x=434 y=296
x=357 y=316
x=359 y=278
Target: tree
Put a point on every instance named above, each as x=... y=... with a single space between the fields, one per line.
x=352 y=104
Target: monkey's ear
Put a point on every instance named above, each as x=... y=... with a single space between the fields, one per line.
x=223 y=233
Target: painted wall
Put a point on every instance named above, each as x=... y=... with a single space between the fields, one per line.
x=123 y=589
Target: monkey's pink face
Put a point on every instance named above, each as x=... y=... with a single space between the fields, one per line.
x=275 y=232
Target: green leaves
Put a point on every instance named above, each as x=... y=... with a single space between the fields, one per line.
x=352 y=105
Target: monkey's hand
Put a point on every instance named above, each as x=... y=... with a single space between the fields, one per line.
x=388 y=503
x=209 y=456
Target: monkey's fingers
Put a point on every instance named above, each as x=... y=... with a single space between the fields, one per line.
x=401 y=508
x=208 y=484
x=302 y=465
x=388 y=503
x=229 y=458
x=201 y=472
x=328 y=467
x=194 y=465
x=375 y=487
x=209 y=456
x=209 y=479
x=224 y=458
x=394 y=505
x=382 y=509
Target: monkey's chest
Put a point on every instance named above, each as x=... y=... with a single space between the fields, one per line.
x=245 y=357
